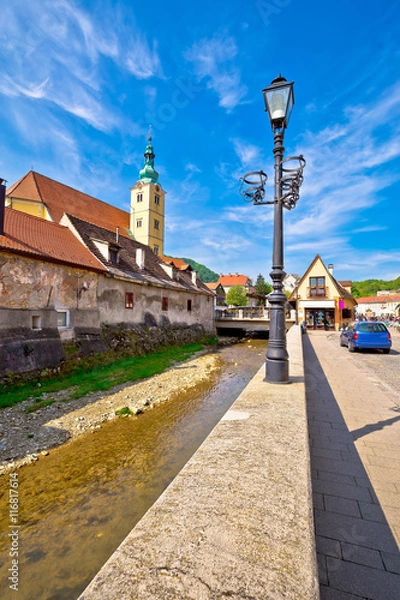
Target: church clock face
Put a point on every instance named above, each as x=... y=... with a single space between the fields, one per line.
x=158 y=188
x=139 y=186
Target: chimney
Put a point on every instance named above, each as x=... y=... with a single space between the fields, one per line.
x=2 y=204
x=330 y=269
x=140 y=258
x=194 y=278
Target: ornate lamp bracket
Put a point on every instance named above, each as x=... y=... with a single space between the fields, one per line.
x=252 y=187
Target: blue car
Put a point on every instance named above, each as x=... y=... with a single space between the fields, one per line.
x=366 y=334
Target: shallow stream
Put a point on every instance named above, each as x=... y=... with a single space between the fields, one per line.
x=76 y=507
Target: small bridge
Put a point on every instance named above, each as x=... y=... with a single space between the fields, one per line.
x=247 y=318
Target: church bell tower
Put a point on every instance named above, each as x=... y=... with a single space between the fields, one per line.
x=148 y=205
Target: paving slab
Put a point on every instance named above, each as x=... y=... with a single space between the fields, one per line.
x=354 y=429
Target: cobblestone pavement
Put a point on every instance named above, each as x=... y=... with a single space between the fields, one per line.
x=354 y=424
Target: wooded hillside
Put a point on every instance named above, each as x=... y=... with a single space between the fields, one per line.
x=370 y=287
x=203 y=272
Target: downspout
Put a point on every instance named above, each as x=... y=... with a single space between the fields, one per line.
x=2 y=204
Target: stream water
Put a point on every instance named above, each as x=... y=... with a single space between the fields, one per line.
x=75 y=507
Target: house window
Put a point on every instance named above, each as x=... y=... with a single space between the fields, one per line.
x=317 y=287
x=36 y=322
x=164 y=303
x=113 y=254
x=139 y=198
x=62 y=319
x=156 y=250
x=139 y=222
x=129 y=299
x=156 y=199
x=156 y=224
x=189 y=306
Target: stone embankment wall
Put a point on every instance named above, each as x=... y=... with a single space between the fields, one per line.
x=23 y=350
x=140 y=339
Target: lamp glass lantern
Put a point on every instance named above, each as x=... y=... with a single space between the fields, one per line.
x=279 y=100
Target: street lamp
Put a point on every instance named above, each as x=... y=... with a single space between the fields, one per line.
x=279 y=100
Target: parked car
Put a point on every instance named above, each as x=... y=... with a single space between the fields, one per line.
x=366 y=334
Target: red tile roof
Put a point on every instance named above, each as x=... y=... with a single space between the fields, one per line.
x=178 y=263
x=42 y=239
x=60 y=199
x=231 y=280
x=213 y=285
x=127 y=266
x=379 y=299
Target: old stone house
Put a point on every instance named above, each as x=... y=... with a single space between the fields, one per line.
x=43 y=272
x=139 y=287
x=70 y=265
x=65 y=281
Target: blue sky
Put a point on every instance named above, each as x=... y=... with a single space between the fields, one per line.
x=82 y=80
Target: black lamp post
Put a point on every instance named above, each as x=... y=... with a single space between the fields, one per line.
x=279 y=100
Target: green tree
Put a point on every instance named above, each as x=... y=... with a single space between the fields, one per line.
x=236 y=296
x=263 y=289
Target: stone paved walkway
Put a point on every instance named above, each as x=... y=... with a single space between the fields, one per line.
x=355 y=458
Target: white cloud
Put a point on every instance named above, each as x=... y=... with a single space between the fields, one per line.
x=347 y=169
x=256 y=216
x=248 y=154
x=213 y=60
x=12 y=88
x=58 y=57
x=140 y=60
x=227 y=243
x=385 y=263
x=192 y=168
x=370 y=228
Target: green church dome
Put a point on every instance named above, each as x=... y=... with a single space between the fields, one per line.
x=148 y=174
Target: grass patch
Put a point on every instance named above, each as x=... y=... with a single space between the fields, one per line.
x=91 y=377
x=123 y=411
x=40 y=404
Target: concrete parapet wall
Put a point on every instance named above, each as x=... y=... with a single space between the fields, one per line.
x=237 y=521
x=24 y=348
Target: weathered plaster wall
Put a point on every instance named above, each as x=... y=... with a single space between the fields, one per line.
x=31 y=293
x=30 y=283
x=148 y=305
